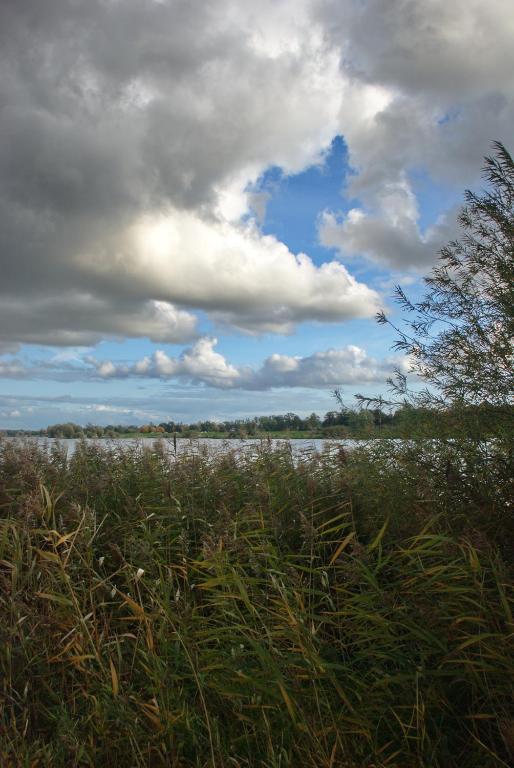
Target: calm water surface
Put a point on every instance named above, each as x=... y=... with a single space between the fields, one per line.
x=202 y=445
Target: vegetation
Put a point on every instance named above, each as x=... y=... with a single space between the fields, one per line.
x=253 y=610
x=407 y=421
x=460 y=336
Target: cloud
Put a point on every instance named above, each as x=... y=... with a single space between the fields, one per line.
x=241 y=277
x=101 y=138
x=107 y=408
x=416 y=46
x=330 y=368
x=445 y=68
x=12 y=369
x=38 y=411
x=427 y=86
x=15 y=413
x=202 y=364
x=391 y=237
x=8 y=348
x=199 y=363
x=80 y=318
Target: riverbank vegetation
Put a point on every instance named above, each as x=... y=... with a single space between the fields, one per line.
x=254 y=609
x=406 y=421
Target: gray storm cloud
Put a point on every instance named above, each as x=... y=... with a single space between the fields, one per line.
x=430 y=88
x=101 y=137
x=132 y=132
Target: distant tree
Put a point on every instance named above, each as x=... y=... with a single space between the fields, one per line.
x=313 y=421
x=331 y=419
x=459 y=337
x=251 y=427
x=65 y=431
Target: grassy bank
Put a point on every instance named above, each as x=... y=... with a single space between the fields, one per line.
x=276 y=435
x=348 y=610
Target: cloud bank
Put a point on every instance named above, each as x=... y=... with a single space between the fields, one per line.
x=201 y=363
x=133 y=132
x=100 y=137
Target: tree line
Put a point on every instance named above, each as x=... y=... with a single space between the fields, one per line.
x=406 y=421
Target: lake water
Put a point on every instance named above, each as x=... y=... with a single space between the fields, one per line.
x=202 y=445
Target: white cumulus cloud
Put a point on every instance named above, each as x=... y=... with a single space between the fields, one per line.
x=241 y=277
x=203 y=364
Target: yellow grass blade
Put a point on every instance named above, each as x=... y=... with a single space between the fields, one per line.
x=114 y=678
x=342 y=546
x=380 y=535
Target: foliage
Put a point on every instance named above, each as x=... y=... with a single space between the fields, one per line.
x=459 y=337
x=406 y=421
x=338 y=610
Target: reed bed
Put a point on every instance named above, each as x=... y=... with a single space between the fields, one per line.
x=337 y=609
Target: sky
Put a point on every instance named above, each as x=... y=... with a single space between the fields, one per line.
x=204 y=203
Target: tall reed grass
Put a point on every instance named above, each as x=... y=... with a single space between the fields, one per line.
x=256 y=610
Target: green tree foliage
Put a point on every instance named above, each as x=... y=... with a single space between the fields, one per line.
x=459 y=337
